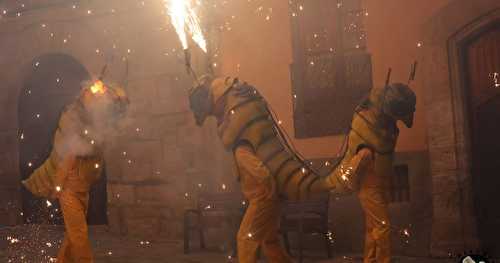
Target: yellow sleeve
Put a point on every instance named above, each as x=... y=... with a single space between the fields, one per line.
x=250 y=163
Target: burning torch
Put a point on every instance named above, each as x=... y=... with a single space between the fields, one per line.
x=98 y=85
x=186 y=21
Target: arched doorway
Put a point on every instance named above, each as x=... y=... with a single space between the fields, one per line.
x=53 y=81
x=482 y=65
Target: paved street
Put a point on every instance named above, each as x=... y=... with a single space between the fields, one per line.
x=39 y=244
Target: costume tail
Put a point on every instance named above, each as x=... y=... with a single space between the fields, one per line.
x=42 y=181
x=296 y=181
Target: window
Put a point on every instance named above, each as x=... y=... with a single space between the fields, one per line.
x=331 y=71
x=400 y=191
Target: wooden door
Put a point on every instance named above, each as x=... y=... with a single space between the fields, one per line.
x=483 y=66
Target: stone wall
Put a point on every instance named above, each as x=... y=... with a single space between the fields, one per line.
x=453 y=227
x=161 y=156
x=347 y=218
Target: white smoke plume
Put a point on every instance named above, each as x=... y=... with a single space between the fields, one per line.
x=90 y=121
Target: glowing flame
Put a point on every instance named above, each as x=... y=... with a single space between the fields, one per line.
x=184 y=17
x=98 y=87
x=406 y=232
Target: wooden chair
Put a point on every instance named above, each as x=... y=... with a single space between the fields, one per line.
x=306 y=217
x=224 y=206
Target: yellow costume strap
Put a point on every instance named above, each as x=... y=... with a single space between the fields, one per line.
x=376 y=131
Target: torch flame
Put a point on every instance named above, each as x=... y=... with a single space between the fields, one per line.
x=184 y=17
x=97 y=87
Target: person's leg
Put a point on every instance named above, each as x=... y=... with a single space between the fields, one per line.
x=271 y=245
x=378 y=243
x=382 y=235
x=246 y=239
x=74 y=207
x=370 y=245
x=64 y=255
x=274 y=251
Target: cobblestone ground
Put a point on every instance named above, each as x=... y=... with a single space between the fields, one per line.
x=38 y=244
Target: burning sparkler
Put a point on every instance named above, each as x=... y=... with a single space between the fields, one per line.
x=183 y=16
x=186 y=21
x=496 y=79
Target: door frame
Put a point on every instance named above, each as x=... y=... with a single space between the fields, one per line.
x=462 y=124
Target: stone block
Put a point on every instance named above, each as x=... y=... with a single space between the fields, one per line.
x=142 y=221
x=114 y=168
x=121 y=194
x=137 y=163
x=444 y=181
x=141 y=128
x=440 y=117
x=171 y=228
x=146 y=152
x=190 y=132
x=436 y=65
x=168 y=213
x=143 y=227
x=136 y=171
x=141 y=89
x=172 y=86
x=169 y=124
x=170 y=106
x=116 y=220
x=446 y=204
x=164 y=84
x=172 y=97
x=443 y=158
x=139 y=107
x=173 y=160
x=151 y=211
x=447 y=237
x=162 y=194
x=169 y=137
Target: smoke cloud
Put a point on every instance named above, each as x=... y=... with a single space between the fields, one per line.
x=90 y=121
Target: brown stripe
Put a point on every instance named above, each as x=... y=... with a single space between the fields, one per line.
x=311 y=183
x=282 y=165
x=246 y=126
x=240 y=104
x=371 y=145
x=289 y=176
x=307 y=174
x=266 y=139
x=274 y=154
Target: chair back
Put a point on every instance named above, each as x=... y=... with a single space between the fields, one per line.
x=221 y=201
x=317 y=205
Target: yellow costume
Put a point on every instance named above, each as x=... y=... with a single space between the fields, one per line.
x=260 y=224
x=75 y=164
x=269 y=169
x=374 y=127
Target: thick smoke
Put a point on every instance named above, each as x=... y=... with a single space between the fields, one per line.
x=90 y=121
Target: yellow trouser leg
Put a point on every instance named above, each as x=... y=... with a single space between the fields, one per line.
x=259 y=227
x=64 y=254
x=76 y=245
x=370 y=247
x=377 y=241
